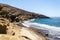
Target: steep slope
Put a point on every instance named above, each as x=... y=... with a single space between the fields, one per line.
x=10 y=31
x=13 y=13
x=10 y=27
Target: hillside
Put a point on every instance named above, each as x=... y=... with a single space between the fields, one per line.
x=12 y=29
x=12 y=13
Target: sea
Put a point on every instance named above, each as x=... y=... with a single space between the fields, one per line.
x=50 y=24
x=55 y=21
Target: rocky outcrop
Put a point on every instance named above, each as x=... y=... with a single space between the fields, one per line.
x=16 y=14
x=10 y=31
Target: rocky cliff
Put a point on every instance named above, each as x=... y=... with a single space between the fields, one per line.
x=11 y=29
x=16 y=14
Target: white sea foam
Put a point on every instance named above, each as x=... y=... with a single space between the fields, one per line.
x=28 y=20
x=52 y=29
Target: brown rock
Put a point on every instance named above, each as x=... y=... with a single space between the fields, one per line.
x=11 y=31
x=21 y=14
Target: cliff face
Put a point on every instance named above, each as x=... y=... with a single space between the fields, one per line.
x=10 y=31
x=14 y=30
x=13 y=13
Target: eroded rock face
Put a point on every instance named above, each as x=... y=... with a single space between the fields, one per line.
x=7 y=11
x=11 y=31
x=3 y=26
x=9 y=24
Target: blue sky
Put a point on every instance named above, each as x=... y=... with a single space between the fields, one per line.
x=50 y=8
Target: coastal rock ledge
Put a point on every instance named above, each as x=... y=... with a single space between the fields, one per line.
x=13 y=13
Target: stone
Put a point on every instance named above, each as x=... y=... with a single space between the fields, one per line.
x=20 y=13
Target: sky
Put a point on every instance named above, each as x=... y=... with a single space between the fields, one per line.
x=49 y=8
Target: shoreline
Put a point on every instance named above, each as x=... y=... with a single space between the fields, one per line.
x=50 y=30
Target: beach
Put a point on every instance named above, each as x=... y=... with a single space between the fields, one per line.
x=53 y=32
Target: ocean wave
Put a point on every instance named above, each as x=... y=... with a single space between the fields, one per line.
x=28 y=21
x=52 y=29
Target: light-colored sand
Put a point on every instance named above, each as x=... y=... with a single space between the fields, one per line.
x=15 y=32
x=31 y=34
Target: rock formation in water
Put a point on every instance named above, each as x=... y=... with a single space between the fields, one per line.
x=15 y=14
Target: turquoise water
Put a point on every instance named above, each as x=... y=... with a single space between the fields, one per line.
x=55 y=21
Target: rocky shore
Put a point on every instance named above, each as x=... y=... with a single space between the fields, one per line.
x=11 y=27
x=7 y=11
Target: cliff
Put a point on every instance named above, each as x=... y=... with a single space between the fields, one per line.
x=11 y=29
x=16 y=14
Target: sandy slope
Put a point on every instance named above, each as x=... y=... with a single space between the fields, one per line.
x=11 y=31
x=31 y=34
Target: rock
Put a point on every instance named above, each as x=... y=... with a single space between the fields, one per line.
x=9 y=24
x=23 y=15
x=11 y=31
